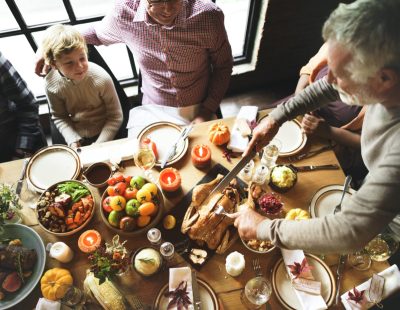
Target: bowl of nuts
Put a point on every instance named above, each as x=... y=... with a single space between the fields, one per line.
x=259 y=246
x=65 y=207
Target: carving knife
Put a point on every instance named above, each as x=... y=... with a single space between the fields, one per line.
x=233 y=173
x=196 y=292
x=22 y=177
x=171 y=152
x=314 y=168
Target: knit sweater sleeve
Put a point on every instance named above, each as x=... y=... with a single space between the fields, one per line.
x=113 y=109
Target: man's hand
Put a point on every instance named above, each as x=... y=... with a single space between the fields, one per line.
x=203 y=116
x=41 y=68
x=262 y=134
x=246 y=221
x=312 y=124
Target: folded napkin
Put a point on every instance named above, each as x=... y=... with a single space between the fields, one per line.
x=307 y=301
x=46 y=304
x=176 y=276
x=392 y=285
x=238 y=142
x=116 y=150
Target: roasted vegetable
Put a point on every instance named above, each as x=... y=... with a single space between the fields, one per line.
x=16 y=257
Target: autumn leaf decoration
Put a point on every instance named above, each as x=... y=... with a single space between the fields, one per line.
x=297 y=269
x=179 y=297
x=253 y=124
x=356 y=296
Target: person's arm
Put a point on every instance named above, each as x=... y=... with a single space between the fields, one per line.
x=16 y=90
x=302 y=83
x=113 y=111
x=314 y=125
x=222 y=63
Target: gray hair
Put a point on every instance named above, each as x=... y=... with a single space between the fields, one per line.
x=370 y=29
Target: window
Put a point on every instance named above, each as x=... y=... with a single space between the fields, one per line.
x=22 y=23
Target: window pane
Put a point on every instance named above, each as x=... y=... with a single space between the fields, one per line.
x=236 y=14
x=36 y=12
x=7 y=21
x=18 y=51
x=90 y=8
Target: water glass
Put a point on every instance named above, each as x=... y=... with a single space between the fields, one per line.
x=74 y=297
x=360 y=260
x=256 y=293
x=271 y=153
x=167 y=250
x=154 y=236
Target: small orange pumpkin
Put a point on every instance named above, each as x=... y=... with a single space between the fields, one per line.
x=219 y=134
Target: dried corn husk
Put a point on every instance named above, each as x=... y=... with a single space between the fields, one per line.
x=106 y=294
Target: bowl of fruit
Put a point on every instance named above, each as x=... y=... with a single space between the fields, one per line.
x=65 y=207
x=131 y=205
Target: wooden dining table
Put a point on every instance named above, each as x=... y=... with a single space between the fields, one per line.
x=226 y=288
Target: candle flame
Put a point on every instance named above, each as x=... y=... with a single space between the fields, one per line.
x=90 y=240
x=169 y=180
x=201 y=151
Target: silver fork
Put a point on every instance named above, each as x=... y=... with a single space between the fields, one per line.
x=220 y=210
x=257 y=267
x=346 y=185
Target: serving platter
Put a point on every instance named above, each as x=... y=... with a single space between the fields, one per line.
x=326 y=198
x=285 y=292
x=164 y=134
x=52 y=164
x=208 y=297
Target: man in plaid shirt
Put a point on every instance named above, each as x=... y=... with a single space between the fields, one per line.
x=182 y=50
x=20 y=131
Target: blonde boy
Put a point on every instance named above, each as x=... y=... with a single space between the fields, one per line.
x=83 y=101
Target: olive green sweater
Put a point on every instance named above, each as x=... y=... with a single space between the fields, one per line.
x=375 y=205
x=86 y=108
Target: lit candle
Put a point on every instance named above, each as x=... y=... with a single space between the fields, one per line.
x=170 y=179
x=89 y=241
x=60 y=251
x=235 y=264
x=201 y=156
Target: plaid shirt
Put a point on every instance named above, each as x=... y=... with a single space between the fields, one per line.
x=187 y=63
x=18 y=108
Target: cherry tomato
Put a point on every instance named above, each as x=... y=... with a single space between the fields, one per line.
x=119 y=178
x=111 y=181
x=128 y=179
x=130 y=193
x=120 y=188
x=106 y=204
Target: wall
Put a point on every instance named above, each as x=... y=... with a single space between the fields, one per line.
x=290 y=36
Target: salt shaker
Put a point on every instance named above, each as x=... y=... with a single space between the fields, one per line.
x=261 y=175
x=247 y=172
x=167 y=250
x=154 y=236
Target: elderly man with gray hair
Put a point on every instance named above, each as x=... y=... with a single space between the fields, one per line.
x=364 y=69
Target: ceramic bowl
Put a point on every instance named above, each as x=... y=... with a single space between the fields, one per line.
x=42 y=212
x=97 y=174
x=155 y=219
x=275 y=185
x=31 y=240
x=140 y=265
x=254 y=249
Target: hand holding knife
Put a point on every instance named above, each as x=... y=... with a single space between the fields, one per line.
x=171 y=152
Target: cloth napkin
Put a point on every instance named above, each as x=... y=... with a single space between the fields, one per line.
x=105 y=152
x=307 y=301
x=238 y=143
x=392 y=285
x=46 y=304
x=176 y=276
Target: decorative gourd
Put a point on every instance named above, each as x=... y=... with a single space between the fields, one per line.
x=219 y=134
x=55 y=283
x=297 y=214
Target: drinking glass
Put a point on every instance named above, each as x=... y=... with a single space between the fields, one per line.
x=360 y=260
x=271 y=153
x=382 y=247
x=74 y=297
x=256 y=293
x=145 y=160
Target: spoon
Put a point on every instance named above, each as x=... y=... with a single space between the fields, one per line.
x=347 y=182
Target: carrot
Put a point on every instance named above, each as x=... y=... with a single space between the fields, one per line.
x=86 y=216
x=69 y=220
x=77 y=217
x=72 y=227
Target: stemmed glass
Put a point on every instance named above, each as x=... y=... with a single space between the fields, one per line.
x=256 y=293
x=145 y=160
x=382 y=247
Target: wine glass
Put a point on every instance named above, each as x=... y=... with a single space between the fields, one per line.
x=145 y=160
x=382 y=247
x=256 y=293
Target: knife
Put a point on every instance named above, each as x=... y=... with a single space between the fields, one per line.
x=314 y=168
x=22 y=177
x=233 y=173
x=171 y=152
x=196 y=293
x=339 y=271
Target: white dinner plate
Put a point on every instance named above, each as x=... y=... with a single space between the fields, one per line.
x=52 y=164
x=292 y=138
x=284 y=290
x=326 y=198
x=164 y=134
x=208 y=298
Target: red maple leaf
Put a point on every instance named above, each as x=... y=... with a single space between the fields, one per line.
x=297 y=269
x=356 y=295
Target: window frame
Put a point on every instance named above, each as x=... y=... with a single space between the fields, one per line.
x=27 y=31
